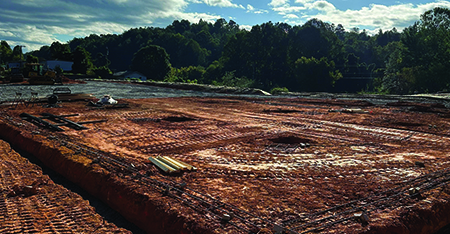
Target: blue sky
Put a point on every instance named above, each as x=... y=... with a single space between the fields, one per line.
x=34 y=23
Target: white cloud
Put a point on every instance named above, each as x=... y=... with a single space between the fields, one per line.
x=195 y=17
x=277 y=3
x=251 y=9
x=221 y=3
x=283 y=10
x=246 y=27
x=37 y=3
x=6 y=34
x=323 y=6
x=304 y=1
x=379 y=16
x=291 y=16
x=40 y=22
x=261 y=12
x=372 y=17
x=30 y=36
x=120 y=1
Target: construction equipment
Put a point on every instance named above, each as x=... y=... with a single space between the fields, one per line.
x=39 y=75
x=14 y=76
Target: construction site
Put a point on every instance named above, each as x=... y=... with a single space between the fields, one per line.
x=227 y=164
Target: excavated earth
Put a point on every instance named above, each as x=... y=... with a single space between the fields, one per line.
x=281 y=165
x=30 y=202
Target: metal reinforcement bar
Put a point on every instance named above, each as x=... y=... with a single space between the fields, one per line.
x=369 y=204
x=40 y=122
x=64 y=121
x=223 y=212
x=395 y=190
x=246 y=221
x=59 y=120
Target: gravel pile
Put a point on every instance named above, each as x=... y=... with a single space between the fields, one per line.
x=98 y=89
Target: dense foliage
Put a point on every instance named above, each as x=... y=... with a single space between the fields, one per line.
x=316 y=56
x=152 y=61
x=419 y=63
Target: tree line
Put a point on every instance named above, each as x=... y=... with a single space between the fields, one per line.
x=313 y=57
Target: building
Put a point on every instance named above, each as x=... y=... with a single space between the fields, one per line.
x=65 y=65
x=16 y=64
x=52 y=64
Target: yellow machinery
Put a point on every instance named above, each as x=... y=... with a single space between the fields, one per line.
x=38 y=75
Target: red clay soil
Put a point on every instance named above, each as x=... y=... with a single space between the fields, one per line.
x=264 y=165
x=31 y=203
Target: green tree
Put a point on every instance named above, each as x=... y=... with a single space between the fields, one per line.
x=152 y=61
x=102 y=72
x=81 y=61
x=59 y=71
x=60 y=51
x=421 y=63
x=180 y=26
x=5 y=52
x=17 y=54
x=183 y=52
x=213 y=72
x=351 y=65
x=260 y=55
x=229 y=79
x=43 y=53
x=315 y=75
x=384 y=38
x=315 y=39
x=394 y=81
x=101 y=60
x=189 y=74
x=32 y=59
x=207 y=41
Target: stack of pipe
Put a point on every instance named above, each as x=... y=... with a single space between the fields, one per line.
x=171 y=165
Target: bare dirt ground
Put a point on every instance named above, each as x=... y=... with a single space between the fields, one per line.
x=31 y=203
x=288 y=165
